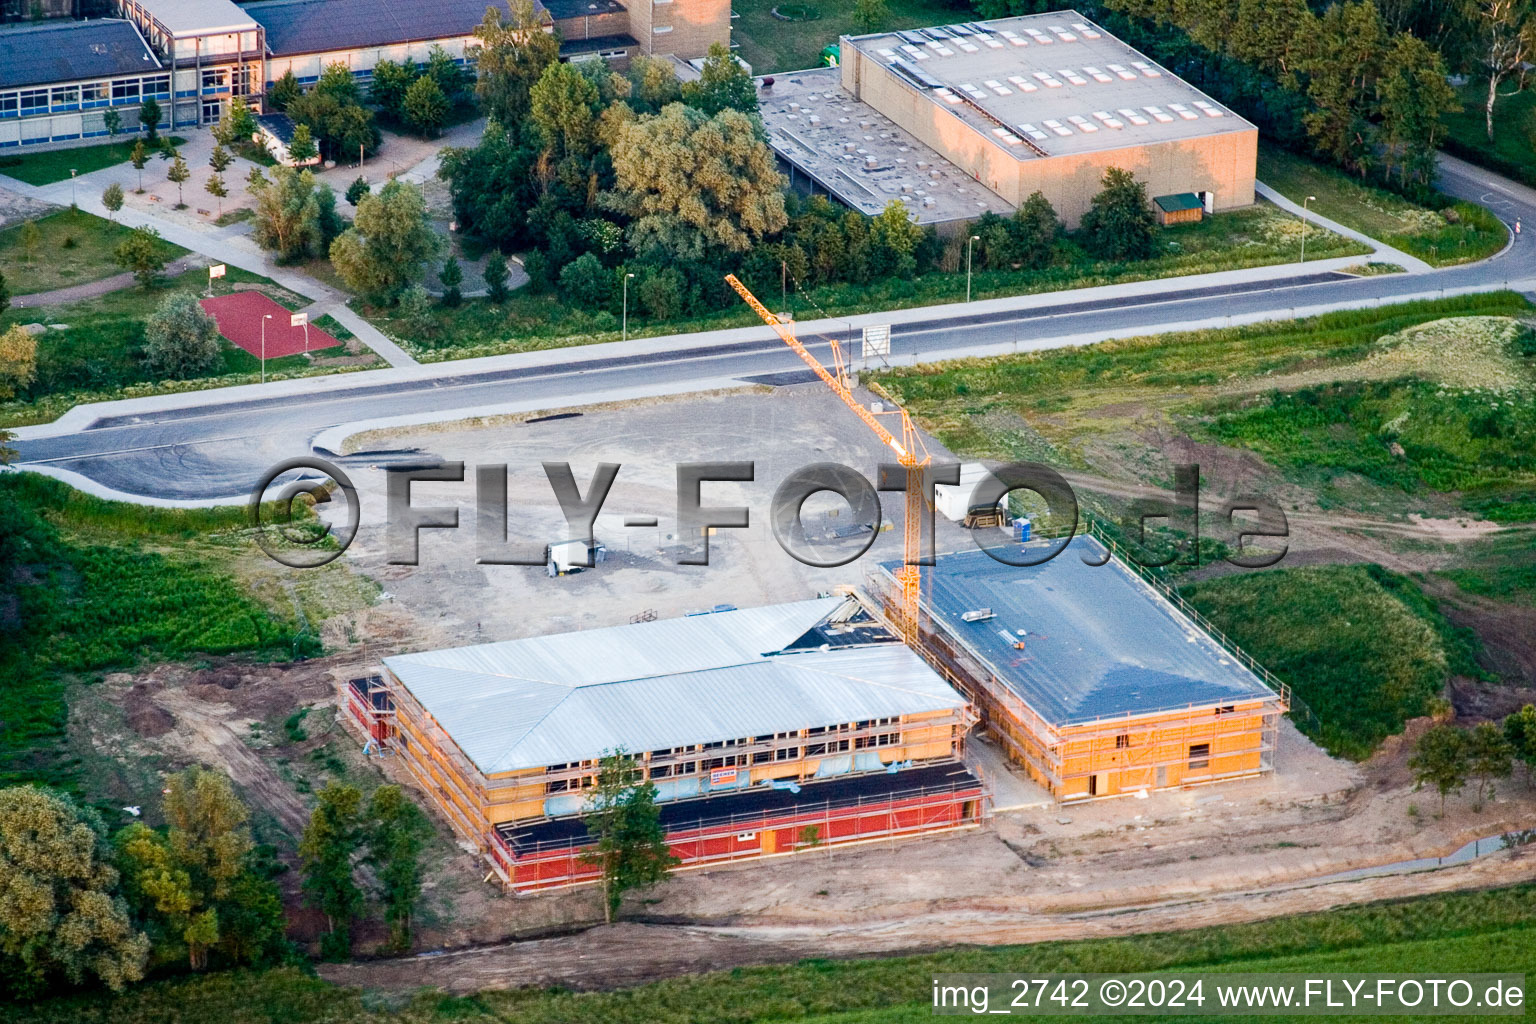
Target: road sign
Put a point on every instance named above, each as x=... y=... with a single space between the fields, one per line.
x=217 y=270
x=298 y=319
x=877 y=340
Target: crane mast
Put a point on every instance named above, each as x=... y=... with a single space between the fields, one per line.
x=909 y=450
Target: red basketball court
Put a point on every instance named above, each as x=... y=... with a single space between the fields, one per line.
x=240 y=316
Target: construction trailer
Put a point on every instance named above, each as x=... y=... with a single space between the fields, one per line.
x=1091 y=676
x=766 y=731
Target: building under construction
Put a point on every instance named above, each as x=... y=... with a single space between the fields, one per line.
x=765 y=731
x=1092 y=677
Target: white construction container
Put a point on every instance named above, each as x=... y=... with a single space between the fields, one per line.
x=953 y=502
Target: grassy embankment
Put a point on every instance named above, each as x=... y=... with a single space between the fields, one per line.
x=1391 y=409
x=1459 y=233
x=73 y=247
x=1243 y=238
x=92 y=586
x=1471 y=931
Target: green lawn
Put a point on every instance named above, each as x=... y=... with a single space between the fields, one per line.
x=98 y=356
x=1257 y=236
x=101 y=586
x=1467 y=931
x=1431 y=235
x=54 y=165
x=1511 y=152
x=73 y=247
x=771 y=45
x=1360 y=646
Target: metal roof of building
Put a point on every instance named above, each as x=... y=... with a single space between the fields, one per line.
x=652 y=685
x=72 y=51
x=1177 y=202
x=198 y=17
x=1099 y=641
x=1053 y=83
x=319 y=26
x=563 y=10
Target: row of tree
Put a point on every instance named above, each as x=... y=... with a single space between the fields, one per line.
x=1338 y=80
x=1447 y=756
x=80 y=905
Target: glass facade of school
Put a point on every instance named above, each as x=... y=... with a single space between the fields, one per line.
x=35 y=108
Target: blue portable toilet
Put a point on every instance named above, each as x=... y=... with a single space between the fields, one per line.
x=1021 y=529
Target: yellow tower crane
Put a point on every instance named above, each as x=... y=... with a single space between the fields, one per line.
x=910 y=453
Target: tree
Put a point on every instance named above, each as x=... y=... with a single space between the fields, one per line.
x=1489 y=756
x=139 y=157
x=112 y=198
x=563 y=106
x=18 y=359
x=284 y=91
x=871 y=15
x=513 y=54
x=496 y=277
x=357 y=189
x=216 y=188
x=494 y=186
x=295 y=215
x=181 y=341
x=219 y=159
x=340 y=125
x=142 y=253
x=301 y=148
x=631 y=845
x=722 y=84
x=112 y=121
x=1508 y=40
x=397 y=833
x=237 y=125
x=337 y=82
x=31 y=238
x=1520 y=730
x=179 y=173
x=446 y=72
x=1035 y=228
x=60 y=916
x=330 y=841
x=197 y=886
x=451 y=276
x=425 y=107
x=653 y=84
x=390 y=238
x=5 y=293
x=1119 y=224
x=1441 y=759
x=586 y=284
x=149 y=117
x=255 y=181
x=695 y=183
x=390 y=81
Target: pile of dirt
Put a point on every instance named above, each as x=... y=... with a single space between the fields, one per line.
x=143 y=715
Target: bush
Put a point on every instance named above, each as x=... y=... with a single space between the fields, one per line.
x=586 y=284
x=181 y=340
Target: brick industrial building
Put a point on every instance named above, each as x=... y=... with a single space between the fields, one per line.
x=1039 y=103
x=765 y=731
x=1092 y=677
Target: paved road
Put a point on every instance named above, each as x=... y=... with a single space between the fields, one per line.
x=219 y=446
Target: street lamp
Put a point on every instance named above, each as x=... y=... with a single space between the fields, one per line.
x=264 y=318
x=1309 y=199
x=72 y=187
x=624 y=329
x=968 y=243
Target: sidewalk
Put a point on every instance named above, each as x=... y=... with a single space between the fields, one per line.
x=221 y=245
x=1383 y=252
x=95 y=289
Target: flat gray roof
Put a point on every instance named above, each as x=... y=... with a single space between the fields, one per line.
x=71 y=51
x=1099 y=641
x=198 y=17
x=862 y=157
x=652 y=685
x=319 y=26
x=1030 y=71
